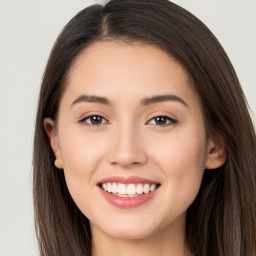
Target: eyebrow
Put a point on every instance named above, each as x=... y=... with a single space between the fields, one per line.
x=163 y=98
x=92 y=99
x=146 y=101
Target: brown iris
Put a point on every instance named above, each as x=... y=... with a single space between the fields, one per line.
x=96 y=119
x=160 y=120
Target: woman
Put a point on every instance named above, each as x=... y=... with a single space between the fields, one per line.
x=143 y=142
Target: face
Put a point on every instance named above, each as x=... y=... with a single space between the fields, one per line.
x=131 y=139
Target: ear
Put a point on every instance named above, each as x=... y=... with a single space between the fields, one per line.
x=216 y=153
x=49 y=127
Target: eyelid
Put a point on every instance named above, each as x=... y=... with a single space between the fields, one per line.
x=170 y=118
x=88 y=115
x=93 y=113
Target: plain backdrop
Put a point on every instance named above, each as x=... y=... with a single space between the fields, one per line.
x=28 y=30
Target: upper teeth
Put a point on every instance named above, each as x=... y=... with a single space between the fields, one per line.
x=128 y=189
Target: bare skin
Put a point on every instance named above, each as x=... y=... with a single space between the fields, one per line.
x=165 y=243
x=161 y=140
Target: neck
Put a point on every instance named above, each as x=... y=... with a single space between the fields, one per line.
x=168 y=241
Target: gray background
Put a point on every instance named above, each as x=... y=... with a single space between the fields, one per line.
x=28 y=30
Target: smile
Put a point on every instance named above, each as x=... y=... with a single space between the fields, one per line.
x=128 y=192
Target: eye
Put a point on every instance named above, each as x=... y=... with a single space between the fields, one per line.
x=162 y=121
x=96 y=120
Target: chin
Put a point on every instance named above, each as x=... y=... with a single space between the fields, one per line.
x=135 y=234
x=128 y=230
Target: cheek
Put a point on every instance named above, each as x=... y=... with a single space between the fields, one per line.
x=81 y=156
x=181 y=159
x=81 y=151
x=181 y=148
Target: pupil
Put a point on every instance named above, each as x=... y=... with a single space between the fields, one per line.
x=161 y=120
x=96 y=120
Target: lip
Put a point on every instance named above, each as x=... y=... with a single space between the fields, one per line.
x=127 y=180
x=127 y=202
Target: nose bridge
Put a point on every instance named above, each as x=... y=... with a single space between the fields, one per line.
x=127 y=147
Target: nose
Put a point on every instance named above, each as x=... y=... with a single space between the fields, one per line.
x=127 y=148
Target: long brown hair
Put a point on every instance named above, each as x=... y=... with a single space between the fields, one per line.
x=221 y=220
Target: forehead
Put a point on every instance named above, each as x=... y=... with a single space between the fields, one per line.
x=121 y=55
x=118 y=69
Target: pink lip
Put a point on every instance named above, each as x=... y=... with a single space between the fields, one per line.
x=127 y=202
x=127 y=180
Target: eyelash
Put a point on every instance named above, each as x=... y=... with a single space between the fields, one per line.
x=83 y=120
x=168 y=119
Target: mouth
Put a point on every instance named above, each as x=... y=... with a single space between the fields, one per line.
x=128 y=192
